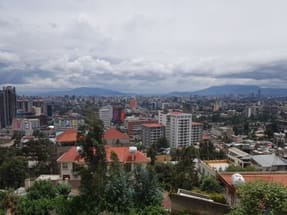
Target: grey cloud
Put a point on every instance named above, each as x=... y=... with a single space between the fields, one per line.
x=268 y=71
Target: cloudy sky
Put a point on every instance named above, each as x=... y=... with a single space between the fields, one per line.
x=142 y=46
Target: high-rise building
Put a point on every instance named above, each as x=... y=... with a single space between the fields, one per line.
x=134 y=125
x=106 y=115
x=197 y=129
x=179 y=129
x=151 y=133
x=7 y=106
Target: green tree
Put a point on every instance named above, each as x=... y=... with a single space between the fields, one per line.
x=93 y=178
x=43 y=197
x=211 y=185
x=146 y=188
x=261 y=197
x=13 y=172
x=118 y=190
x=162 y=143
x=165 y=174
x=42 y=189
x=233 y=168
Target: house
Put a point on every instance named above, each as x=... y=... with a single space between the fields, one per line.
x=70 y=160
x=238 y=157
x=68 y=137
x=230 y=190
x=114 y=137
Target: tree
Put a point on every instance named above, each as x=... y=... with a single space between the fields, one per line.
x=118 y=190
x=185 y=175
x=43 y=197
x=207 y=151
x=162 y=143
x=233 y=168
x=93 y=150
x=261 y=197
x=165 y=174
x=211 y=185
x=42 y=189
x=13 y=172
x=146 y=188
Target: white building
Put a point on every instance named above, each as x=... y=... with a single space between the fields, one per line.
x=162 y=117
x=179 y=129
x=106 y=115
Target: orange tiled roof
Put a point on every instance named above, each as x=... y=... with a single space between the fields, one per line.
x=123 y=154
x=67 y=136
x=278 y=177
x=113 y=133
x=153 y=125
x=197 y=123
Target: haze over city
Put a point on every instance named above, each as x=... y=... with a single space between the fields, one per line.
x=143 y=46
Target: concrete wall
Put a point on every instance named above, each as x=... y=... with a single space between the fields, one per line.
x=196 y=206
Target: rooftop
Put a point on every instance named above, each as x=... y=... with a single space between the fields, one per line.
x=67 y=136
x=269 y=160
x=238 y=152
x=113 y=133
x=153 y=125
x=197 y=123
x=123 y=154
x=278 y=177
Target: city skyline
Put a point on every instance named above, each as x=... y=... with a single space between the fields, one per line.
x=149 y=46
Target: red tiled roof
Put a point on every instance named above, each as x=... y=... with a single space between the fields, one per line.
x=278 y=177
x=71 y=155
x=197 y=123
x=123 y=154
x=153 y=125
x=67 y=136
x=113 y=133
x=176 y=113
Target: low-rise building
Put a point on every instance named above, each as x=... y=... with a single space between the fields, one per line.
x=212 y=167
x=269 y=162
x=114 y=137
x=71 y=160
x=238 y=157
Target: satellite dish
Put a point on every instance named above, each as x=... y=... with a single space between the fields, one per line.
x=237 y=180
x=133 y=150
x=79 y=149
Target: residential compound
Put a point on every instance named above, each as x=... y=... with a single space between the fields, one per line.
x=7 y=106
x=151 y=133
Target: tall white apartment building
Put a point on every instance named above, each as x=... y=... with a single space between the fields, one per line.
x=162 y=117
x=106 y=115
x=179 y=129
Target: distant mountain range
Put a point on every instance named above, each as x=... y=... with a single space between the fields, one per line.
x=226 y=90
x=83 y=91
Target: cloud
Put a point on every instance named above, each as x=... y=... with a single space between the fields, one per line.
x=8 y=57
x=145 y=46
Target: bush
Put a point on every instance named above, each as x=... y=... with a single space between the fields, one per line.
x=217 y=197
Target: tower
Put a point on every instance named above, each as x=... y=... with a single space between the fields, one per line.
x=7 y=106
x=179 y=129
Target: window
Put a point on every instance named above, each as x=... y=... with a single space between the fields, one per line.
x=65 y=165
